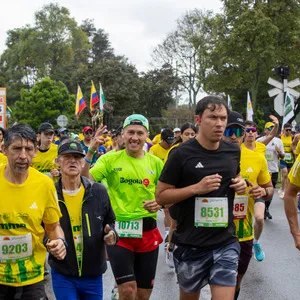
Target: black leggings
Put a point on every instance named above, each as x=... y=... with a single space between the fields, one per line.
x=133 y=266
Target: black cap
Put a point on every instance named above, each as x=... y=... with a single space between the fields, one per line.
x=70 y=147
x=46 y=127
x=168 y=136
x=235 y=118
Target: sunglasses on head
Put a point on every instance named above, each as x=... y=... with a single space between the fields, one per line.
x=252 y=129
x=237 y=131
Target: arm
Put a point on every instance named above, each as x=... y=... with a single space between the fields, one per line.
x=56 y=245
x=273 y=132
x=264 y=191
x=290 y=206
x=168 y=194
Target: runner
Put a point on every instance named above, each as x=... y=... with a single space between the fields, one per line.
x=254 y=169
x=274 y=151
x=30 y=200
x=290 y=202
x=44 y=160
x=131 y=175
x=287 y=162
x=201 y=177
x=88 y=221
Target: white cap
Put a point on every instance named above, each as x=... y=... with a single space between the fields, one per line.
x=176 y=129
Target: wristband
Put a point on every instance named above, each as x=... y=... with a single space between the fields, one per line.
x=87 y=160
x=92 y=151
x=65 y=243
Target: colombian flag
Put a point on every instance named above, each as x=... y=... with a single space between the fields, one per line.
x=80 y=103
x=94 y=97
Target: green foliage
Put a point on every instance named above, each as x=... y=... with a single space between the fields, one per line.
x=44 y=103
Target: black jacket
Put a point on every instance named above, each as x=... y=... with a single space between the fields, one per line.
x=96 y=213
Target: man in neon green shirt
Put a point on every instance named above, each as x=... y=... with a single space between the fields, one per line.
x=131 y=175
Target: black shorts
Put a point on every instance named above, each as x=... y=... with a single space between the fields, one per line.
x=34 y=291
x=245 y=256
x=133 y=266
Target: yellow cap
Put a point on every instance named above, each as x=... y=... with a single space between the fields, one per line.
x=269 y=124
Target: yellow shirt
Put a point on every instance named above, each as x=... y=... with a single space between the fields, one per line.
x=294 y=175
x=287 y=142
x=156 y=139
x=3 y=159
x=297 y=150
x=159 y=151
x=254 y=168
x=81 y=136
x=44 y=162
x=23 y=208
x=74 y=202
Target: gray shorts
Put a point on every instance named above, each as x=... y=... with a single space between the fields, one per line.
x=196 y=267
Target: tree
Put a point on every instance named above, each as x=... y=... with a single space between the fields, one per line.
x=186 y=50
x=44 y=103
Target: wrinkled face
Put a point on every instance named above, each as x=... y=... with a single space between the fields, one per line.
x=212 y=123
x=250 y=133
x=70 y=164
x=88 y=135
x=46 y=138
x=20 y=154
x=189 y=133
x=134 y=137
x=234 y=134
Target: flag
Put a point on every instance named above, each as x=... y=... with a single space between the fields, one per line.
x=8 y=108
x=249 y=108
x=102 y=99
x=94 y=97
x=288 y=108
x=80 y=103
x=229 y=102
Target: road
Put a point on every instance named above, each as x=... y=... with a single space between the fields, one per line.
x=277 y=277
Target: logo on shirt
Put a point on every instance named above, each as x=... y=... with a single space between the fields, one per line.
x=118 y=169
x=199 y=165
x=130 y=181
x=150 y=172
x=12 y=225
x=33 y=206
x=249 y=170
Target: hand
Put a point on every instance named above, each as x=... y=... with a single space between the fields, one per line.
x=98 y=140
x=57 y=248
x=239 y=185
x=256 y=191
x=208 y=184
x=296 y=237
x=151 y=205
x=274 y=119
x=109 y=236
x=54 y=172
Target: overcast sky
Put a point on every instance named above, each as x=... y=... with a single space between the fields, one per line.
x=135 y=27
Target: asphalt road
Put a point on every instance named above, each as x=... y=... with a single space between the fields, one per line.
x=277 y=277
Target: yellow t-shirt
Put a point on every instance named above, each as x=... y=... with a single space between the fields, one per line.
x=3 y=159
x=294 y=174
x=259 y=148
x=287 y=142
x=74 y=202
x=44 y=162
x=23 y=208
x=160 y=152
x=254 y=168
x=156 y=139
x=297 y=150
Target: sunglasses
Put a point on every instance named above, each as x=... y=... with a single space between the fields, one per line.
x=89 y=132
x=237 y=131
x=252 y=129
x=270 y=128
x=288 y=129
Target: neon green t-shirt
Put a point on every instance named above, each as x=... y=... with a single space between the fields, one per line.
x=130 y=181
x=254 y=168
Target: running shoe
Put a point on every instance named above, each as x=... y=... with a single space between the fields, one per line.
x=280 y=193
x=115 y=293
x=259 y=254
x=169 y=258
x=268 y=215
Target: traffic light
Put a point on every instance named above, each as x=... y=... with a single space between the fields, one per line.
x=282 y=71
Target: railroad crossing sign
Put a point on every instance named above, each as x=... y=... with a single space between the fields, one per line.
x=62 y=121
x=278 y=91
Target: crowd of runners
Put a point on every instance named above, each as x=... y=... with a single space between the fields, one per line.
x=91 y=197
